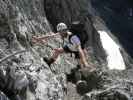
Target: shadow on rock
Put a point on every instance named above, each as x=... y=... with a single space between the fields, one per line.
x=85 y=81
x=109 y=94
x=113 y=95
x=3 y=96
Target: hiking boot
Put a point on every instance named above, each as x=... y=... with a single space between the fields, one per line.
x=82 y=87
x=48 y=61
x=81 y=82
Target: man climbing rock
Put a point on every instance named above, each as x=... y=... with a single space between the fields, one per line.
x=72 y=43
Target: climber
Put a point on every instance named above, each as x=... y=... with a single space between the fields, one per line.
x=71 y=44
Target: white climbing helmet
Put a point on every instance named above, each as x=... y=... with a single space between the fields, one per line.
x=61 y=27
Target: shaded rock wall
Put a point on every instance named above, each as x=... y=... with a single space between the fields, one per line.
x=68 y=11
x=118 y=18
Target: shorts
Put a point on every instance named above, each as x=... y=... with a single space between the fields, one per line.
x=67 y=50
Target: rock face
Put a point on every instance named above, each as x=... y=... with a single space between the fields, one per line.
x=23 y=73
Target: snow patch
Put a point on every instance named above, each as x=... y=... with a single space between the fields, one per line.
x=114 y=58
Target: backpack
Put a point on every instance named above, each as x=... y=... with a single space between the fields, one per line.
x=78 y=29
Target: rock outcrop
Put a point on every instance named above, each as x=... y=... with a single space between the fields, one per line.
x=25 y=76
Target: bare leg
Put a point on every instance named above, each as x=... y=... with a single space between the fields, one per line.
x=55 y=55
x=57 y=52
x=85 y=52
x=83 y=59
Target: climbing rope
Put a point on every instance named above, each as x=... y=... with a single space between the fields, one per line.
x=8 y=57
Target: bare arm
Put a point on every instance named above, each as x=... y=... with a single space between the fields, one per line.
x=75 y=40
x=48 y=36
x=43 y=39
x=82 y=55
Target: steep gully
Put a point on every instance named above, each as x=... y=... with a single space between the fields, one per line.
x=26 y=76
